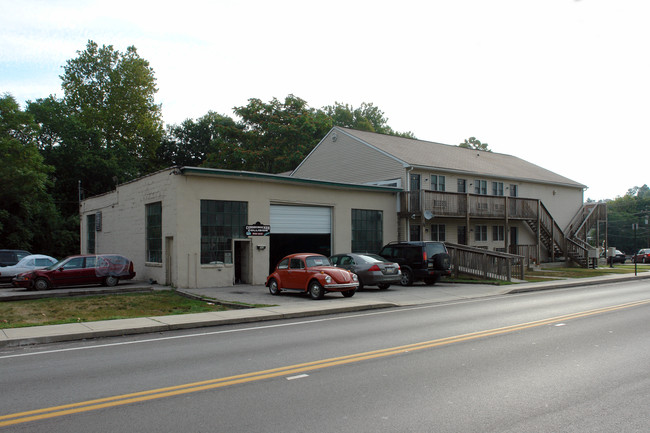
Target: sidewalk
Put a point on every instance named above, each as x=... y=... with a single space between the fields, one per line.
x=285 y=306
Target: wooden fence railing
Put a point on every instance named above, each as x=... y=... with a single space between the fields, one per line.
x=485 y=264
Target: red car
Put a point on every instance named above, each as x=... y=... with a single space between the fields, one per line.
x=313 y=274
x=643 y=256
x=104 y=269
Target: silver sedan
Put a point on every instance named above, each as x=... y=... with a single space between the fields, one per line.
x=26 y=264
x=372 y=270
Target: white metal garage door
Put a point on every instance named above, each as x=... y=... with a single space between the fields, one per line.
x=300 y=219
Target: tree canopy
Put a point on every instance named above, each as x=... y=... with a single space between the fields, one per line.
x=28 y=218
x=474 y=143
x=622 y=213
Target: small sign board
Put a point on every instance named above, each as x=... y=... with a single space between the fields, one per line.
x=257 y=229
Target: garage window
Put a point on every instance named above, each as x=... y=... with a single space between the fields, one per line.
x=221 y=222
x=367 y=230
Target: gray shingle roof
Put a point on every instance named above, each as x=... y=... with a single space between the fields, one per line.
x=420 y=153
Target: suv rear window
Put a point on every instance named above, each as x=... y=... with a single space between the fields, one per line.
x=435 y=248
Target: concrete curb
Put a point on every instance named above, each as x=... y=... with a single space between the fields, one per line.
x=13 y=337
x=579 y=282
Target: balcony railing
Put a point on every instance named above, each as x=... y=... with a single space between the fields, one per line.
x=453 y=204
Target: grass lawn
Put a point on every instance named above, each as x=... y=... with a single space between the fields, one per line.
x=52 y=311
x=559 y=273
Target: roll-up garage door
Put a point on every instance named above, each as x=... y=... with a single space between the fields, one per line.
x=301 y=219
x=299 y=229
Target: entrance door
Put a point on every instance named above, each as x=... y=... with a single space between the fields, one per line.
x=242 y=261
x=169 y=247
x=462 y=235
x=414 y=193
x=513 y=237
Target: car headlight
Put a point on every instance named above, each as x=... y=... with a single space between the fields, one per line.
x=328 y=279
x=354 y=277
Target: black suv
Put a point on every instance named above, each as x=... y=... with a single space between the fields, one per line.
x=419 y=261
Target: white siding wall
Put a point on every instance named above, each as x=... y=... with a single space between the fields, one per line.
x=348 y=160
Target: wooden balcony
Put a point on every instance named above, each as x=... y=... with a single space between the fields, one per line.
x=457 y=205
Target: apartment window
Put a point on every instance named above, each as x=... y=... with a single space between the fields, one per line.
x=497 y=188
x=221 y=222
x=513 y=190
x=480 y=233
x=498 y=233
x=154 y=232
x=480 y=187
x=90 y=236
x=438 y=232
x=462 y=185
x=367 y=230
x=437 y=183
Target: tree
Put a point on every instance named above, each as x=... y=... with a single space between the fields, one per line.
x=28 y=218
x=113 y=93
x=474 y=143
x=192 y=143
x=366 y=117
x=276 y=135
x=622 y=213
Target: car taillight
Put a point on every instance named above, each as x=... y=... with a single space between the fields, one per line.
x=374 y=268
x=424 y=256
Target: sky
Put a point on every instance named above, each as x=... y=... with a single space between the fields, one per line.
x=564 y=84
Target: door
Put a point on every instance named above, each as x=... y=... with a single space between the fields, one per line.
x=414 y=194
x=169 y=247
x=242 y=248
x=295 y=274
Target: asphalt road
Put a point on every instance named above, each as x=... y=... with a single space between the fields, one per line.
x=562 y=361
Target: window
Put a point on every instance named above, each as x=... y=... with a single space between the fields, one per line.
x=513 y=190
x=367 y=230
x=438 y=232
x=437 y=183
x=498 y=233
x=90 y=236
x=480 y=187
x=497 y=188
x=154 y=232
x=462 y=185
x=480 y=233
x=221 y=222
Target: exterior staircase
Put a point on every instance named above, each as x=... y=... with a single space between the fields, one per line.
x=570 y=243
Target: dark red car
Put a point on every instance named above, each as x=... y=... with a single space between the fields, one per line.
x=313 y=274
x=643 y=256
x=104 y=269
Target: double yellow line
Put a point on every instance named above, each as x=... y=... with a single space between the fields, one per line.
x=119 y=400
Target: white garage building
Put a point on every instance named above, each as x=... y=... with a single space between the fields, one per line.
x=199 y=227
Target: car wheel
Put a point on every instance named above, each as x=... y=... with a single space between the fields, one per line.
x=349 y=293
x=316 y=291
x=407 y=277
x=41 y=284
x=360 y=285
x=383 y=286
x=273 y=288
x=111 y=281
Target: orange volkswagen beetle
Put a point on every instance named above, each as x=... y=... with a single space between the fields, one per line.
x=313 y=274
